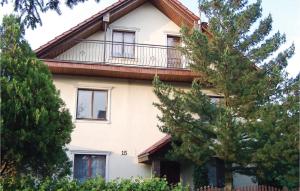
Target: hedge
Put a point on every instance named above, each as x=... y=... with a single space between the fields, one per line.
x=96 y=184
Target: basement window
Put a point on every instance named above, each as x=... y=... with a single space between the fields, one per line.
x=89 y=166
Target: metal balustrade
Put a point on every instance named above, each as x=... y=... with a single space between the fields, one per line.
x=126 y=54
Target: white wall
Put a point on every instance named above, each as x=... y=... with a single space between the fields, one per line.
x=151 y=25
x=132 y=126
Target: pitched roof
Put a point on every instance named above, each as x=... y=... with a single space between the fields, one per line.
x=173 y=9
x=154 y=148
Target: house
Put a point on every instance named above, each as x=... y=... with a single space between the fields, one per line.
x=104 y=69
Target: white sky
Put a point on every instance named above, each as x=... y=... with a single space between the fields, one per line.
x=285 y=13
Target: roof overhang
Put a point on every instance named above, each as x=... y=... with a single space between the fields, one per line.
x=119 y=71
x=146 y=156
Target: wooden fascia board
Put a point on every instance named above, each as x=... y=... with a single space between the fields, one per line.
x=126 y=8
x=78 y=29
x=190 y=20
x=76 y=33
x=119 y=71
x=144 y=158
x=184 y=14
x=46 y=50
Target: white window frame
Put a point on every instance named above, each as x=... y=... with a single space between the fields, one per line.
x=123 y=46
x=175 y=34
x=170 y=33
x=86 y=152
x=93 y=87
x=124 y=28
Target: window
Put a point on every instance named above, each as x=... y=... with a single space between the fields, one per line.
x=92 y=104
x=216 y=169
x=89 y=166
x=123 y=44
x=215 y=100
x=174 y=55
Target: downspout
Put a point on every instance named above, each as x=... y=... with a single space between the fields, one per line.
x=106 y=21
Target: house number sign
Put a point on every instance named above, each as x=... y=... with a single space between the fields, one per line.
x=124 y=152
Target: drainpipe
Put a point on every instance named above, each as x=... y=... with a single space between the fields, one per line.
x=106 y=21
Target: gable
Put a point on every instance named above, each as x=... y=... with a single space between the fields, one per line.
x=171 y=9
x=150 y=24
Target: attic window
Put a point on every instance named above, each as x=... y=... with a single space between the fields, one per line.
x=123 y=44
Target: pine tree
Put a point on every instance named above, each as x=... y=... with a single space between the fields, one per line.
x=277 y=152
x=35 y=125
x=30 y=9
x=239 y=61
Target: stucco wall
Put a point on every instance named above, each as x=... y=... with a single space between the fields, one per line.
x=132 y=126
x=151 y=25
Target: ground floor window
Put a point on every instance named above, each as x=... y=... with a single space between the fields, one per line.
x=89 y=166
x=216 y=172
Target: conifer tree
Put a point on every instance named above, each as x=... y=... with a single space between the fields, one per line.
x=29 y=10
x=35 y=125
x=258 y=111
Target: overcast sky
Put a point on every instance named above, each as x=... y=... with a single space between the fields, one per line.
x=285 y=13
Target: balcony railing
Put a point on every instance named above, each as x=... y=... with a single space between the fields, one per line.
x=127 y=54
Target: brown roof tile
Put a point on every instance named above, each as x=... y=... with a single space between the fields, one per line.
x=156 y=146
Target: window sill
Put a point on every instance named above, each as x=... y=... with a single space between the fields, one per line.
x=92 y=121
x=111 y=59
x=123 y=57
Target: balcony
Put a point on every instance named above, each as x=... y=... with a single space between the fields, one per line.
x=122 y=60
x=125 y=54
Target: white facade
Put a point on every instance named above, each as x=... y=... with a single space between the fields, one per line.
x=132 y=124
x=132 y=118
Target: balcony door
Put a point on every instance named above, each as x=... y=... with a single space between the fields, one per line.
x=174 y=55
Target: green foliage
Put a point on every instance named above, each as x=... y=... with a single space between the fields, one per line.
x=255 y=127
x=30 y=9
x=35 y=125
x=200 y=176
x=97 y=184
x=277 y=152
